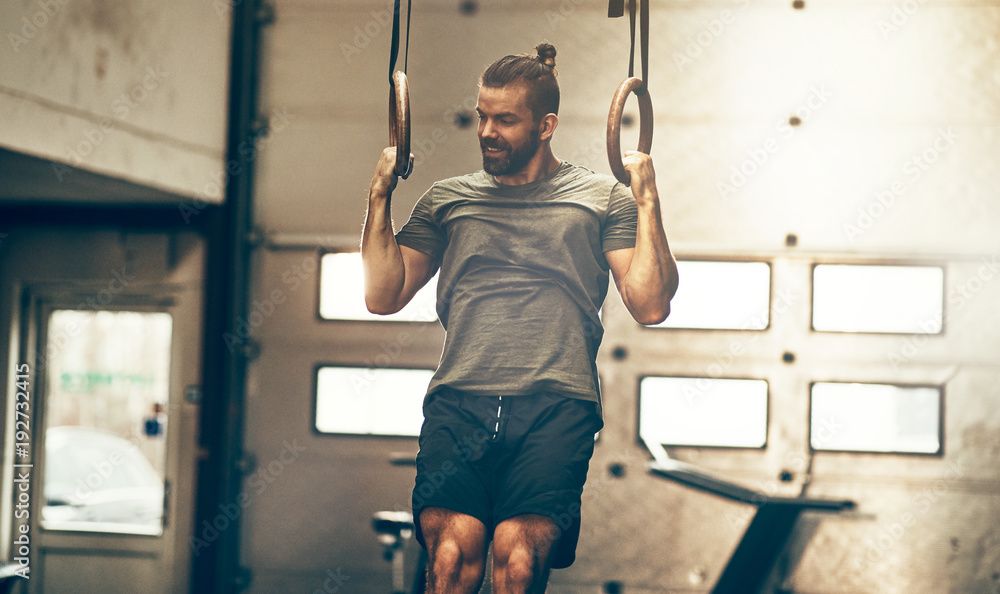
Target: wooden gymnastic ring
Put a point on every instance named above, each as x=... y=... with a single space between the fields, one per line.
x=399 y=123
x=630 y=85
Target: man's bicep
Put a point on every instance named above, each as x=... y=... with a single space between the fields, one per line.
x=419 y=267
x=619 y=261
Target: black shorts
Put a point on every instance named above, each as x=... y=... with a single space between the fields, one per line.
x=496 y=457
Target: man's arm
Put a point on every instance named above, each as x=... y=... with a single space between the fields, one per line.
x=393 y=273
x=646 y=275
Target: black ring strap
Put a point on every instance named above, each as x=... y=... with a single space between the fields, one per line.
x=399 y=96
x=394 y=50
x=616 y=8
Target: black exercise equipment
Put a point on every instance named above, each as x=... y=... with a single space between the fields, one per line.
x=394 y=529
x=767 y=535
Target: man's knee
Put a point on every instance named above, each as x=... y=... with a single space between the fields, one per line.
x=456 y=545
x=523 y=566
x=453 y=539
x=525 y=540
x=446 y=557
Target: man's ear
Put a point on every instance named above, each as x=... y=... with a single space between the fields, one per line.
x=547 y=126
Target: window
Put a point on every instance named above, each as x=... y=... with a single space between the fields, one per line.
x=721 y=296
x=875 y=418
x=342 y=296
x=891 y=299
x=107 y=388
x=701 y=411
x=370 y=401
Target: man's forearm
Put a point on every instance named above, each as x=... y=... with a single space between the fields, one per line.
x=384 y=272
x=652 y=277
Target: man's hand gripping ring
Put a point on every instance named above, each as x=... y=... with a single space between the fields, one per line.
x=630 y=85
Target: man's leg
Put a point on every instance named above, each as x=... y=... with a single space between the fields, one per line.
x=549 y=440
x=451 y=501
x=522 y=548
x=456 y=551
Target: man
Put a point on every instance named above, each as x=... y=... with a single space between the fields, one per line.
x=524 y=248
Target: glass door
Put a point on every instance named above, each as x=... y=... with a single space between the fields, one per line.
x=106 y=421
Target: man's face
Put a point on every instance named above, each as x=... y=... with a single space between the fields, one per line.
x=508 y=133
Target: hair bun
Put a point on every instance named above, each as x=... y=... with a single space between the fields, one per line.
x=546 y=54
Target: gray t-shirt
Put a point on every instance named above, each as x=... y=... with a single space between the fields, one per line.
x=523 y=277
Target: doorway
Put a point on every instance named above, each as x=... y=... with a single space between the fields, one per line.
x=106 y=330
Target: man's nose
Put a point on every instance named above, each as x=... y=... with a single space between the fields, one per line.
x=488 y=130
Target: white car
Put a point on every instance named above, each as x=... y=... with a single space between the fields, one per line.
x=99 y=482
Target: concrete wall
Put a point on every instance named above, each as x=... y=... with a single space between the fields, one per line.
x=136 y=91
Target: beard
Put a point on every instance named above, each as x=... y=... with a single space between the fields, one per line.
x=511 y=159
